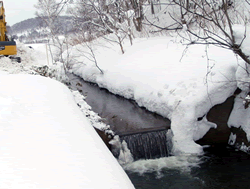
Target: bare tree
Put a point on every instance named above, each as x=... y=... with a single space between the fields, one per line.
x=138 y=16
x=49 y=11
x=102 y=17
x=211 y=22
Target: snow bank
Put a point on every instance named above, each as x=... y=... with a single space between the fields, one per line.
x=242 y=38
x=240 y=114
x=30 y=58
x=93 y=117
x=46 y=141
x=164 y=76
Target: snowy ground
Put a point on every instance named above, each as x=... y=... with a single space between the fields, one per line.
x=164 y=76
x=46 y=140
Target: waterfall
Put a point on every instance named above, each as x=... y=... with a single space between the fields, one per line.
x=147 y=145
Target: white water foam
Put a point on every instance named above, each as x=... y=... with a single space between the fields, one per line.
x=183 y=163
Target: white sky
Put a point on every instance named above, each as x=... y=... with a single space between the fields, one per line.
x=17 y=10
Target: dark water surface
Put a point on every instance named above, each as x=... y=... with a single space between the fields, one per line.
x=221 y=168
x=123 y=115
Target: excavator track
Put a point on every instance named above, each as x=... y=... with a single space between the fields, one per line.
x=16 y=59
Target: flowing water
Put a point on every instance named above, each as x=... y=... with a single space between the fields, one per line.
x=148 y=145
x=124 y=116
x=221 y=167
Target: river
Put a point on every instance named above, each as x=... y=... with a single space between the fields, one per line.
x=221 y=167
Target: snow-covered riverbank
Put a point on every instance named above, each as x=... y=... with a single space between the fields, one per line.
x=179 y=82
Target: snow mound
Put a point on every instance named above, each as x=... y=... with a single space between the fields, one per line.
x=46 y=141
x=29 y=59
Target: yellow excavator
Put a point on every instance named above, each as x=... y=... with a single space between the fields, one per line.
x=7 y=47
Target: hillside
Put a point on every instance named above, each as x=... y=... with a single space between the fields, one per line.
x=25 y=25
x=35 y=30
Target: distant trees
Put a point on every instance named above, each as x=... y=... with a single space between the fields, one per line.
x=205 y=21
x=49 y=11
x=100 y=17
x=122 y=18
x=95 y=18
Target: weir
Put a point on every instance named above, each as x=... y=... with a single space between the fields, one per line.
x=143 y=131
x=147 y=145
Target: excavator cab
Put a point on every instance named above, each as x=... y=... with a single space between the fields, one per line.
x=7 y=47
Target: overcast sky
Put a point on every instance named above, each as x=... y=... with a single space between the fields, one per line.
x=19 y=10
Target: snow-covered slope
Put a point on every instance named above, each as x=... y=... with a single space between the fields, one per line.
x=45 y=139
x=35 y=30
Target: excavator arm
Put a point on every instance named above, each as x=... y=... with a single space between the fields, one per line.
x=7 y=48
x=2 y=23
